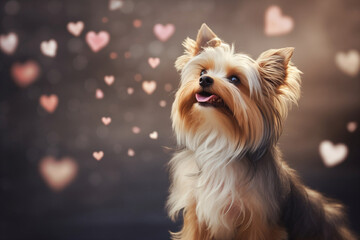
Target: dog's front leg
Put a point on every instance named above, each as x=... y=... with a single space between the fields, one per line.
x=192 y=229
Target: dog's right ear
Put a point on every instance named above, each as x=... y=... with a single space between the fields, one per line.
x=205 y=38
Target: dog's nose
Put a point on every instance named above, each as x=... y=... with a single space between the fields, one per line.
x=206 y=81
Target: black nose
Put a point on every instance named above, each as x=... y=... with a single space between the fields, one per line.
x=206 y=81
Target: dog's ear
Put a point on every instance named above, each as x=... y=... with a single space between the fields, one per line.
x=279 y=76
x=273 y=64
x=205 y=38
x=280 y=83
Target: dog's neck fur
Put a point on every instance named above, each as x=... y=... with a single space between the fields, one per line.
x=226 y=189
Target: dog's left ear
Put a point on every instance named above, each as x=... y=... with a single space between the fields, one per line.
x=205 y=38
x=280 y=82
x=273 y=64
x=279 y=76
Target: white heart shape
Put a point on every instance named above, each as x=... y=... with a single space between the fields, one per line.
x=109 y=80
x=8 y=43
x=153 y=135
x=75 y=28
x=149 y=86
x=106 y=120
x=58 y=174
x=331 y=154
x=98 y=155
x=115 y=4
x=276 y=23
x=48 y=48
x=348 y=62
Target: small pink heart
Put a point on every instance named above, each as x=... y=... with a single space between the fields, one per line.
x=154 y=62
x=351 y=126
x=104 y=19
x=98 y=155
x=136 y=130
x=113 y=55
x=131 y=152
x=8 y=43
x=168 y=87
x=99 y=94
x=109 y=80
x=97 y=41
x=49 y=103
x=149 y=86
x=58 y=174
x=163 y=33
x=25 y=74
x=130 y=90
x=153 y=135
x=106 y=120
x=75 y=28
x=137 y=23
x=48 y=48
x=276 y=23
x=138 y=77
x=162 y=103
x=331 y=154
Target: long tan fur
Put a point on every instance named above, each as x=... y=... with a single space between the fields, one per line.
x=228 y=178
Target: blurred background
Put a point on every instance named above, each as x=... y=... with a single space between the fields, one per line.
x=85 y=94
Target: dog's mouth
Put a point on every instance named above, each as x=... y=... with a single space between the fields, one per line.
x=208 y=99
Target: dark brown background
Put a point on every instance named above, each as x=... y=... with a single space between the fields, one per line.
x=123 y=197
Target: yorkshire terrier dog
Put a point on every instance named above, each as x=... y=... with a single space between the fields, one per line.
x=228 y=177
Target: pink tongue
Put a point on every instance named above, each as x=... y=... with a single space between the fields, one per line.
x=201 y=98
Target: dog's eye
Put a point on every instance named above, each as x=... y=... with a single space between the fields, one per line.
x=234 y=79
x=203 y=72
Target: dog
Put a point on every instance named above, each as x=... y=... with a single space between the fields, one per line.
x=228 y=178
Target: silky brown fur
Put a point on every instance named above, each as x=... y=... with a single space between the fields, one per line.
x=228 y=178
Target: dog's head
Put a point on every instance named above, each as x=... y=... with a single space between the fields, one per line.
x=227 y=96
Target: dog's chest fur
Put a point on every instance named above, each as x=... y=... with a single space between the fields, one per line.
x=221 y=192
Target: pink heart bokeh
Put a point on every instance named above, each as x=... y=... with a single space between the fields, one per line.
x=58 y=173
x=75 y=28
x=99 y=94
x=164 y=32
x=154 y=62
x=97 y=41
x=98 y=155
x=8 y=43
x=25 y=73
x=276 y=23
x=106 y=120
x=109 y=80
x=149 y=86
x=49 y=103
